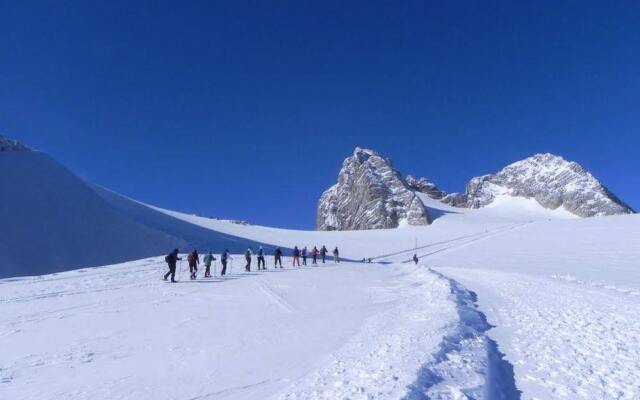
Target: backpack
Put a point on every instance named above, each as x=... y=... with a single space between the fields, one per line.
x=166 y=259
x=191 y=257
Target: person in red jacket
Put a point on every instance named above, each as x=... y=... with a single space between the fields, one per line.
x=314 y=254
x=194 y=260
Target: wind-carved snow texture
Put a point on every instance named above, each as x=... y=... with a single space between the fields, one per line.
x=424 y=185
x=7 y=145
x=370 y=194
x=551 y=180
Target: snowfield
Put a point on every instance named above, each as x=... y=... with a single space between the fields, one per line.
x=511 y=301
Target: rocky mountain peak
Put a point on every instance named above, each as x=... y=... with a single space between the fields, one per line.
x=7 y=145
x=370 y=194
x=424 y=185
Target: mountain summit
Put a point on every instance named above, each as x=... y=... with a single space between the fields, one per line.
x=370 y=194
x=549 y=179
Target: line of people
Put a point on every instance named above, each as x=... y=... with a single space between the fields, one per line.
x=193 y=260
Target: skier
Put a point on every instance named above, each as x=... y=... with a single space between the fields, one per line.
x=323 y=253
x=223 y=260
x=171 y=259
x=304 y=255
x=296 y=256
x=247 y=256
x=194 y=261
x=415 y=258
x=314 y=254
x=261 y=258
x=277 y=257
x=336 y=255
x=207 y=264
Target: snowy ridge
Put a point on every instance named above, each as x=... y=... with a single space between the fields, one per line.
x=7 y=145
x=549 y=179
x=370 y=194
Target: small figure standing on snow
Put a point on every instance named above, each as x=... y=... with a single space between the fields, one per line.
x=223 y=260
x=207 y=264
x=194 y=261
x=296 y=256
x=304 y=255
x=415 y=258
x=277 y=257
x=336 y=255
x=247 y=256
x=323 y=253
x=171 y=259
x=261 y=258
x=314 y=254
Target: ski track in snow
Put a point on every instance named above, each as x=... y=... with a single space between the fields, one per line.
x=565 y=343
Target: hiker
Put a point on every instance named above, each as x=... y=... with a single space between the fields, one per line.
x=194 y=261
x=314 y=254
x=323 y=253
x=261 y=258
x=171 y=259
x=336 y=255
x=277 y=257
x=247 y=256
x=415 y=258
x=207 y=264
x=223 y=260
x=296 y=256
x=304 y=255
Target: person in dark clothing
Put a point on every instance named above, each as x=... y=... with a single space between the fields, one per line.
x=314 y=254
x=261 y=258
x=323 y=253
x=171 y=259
x=277 y=257
x=304 y=255
x=194 y=260
x=336 y=255
x=247 y=256
x=415 y=258
x=223 y=260
x=296 y=256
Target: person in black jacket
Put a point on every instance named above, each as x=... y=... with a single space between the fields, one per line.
x=171 y=259
x=223 y=260
x=277 y=257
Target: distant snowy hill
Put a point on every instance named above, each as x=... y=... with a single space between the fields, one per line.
x=51 y=220
x=549 y=179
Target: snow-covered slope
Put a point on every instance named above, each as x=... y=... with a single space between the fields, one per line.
x=370 y=194
x=549 y=179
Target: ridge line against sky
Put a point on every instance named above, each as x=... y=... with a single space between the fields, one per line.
x=246 y=111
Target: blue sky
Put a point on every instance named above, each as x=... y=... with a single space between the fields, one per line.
x=246 y=109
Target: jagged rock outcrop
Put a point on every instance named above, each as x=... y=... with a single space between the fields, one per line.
x=551 y=180
x=370 y=194
x=7 y=145
x=423 y=185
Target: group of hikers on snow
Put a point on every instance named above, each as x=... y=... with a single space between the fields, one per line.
x=193 y=259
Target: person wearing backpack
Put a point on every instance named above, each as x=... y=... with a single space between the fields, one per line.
x=277 y=257
x=247 y=256
x=194 y=261
x=223 y=260
x=261 y=258
x=171 y=259
x=207 y=264
x=314 y=255
x=304 y=255
x=323 y=253
x=296 y=256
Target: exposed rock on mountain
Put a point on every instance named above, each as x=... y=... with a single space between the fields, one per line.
x=7 y=145
x=423 y=185
x=551 y=180
x=370 y=194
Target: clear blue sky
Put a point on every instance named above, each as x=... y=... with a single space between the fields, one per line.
x=246 y=109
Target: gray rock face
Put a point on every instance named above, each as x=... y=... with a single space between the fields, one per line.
x=551 y=180
x=7 y=145
x=370 y=194
x=423 y=185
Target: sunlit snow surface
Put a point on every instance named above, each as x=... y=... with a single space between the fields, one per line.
x=562 y=293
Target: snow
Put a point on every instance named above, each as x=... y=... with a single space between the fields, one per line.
x=508 y=301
